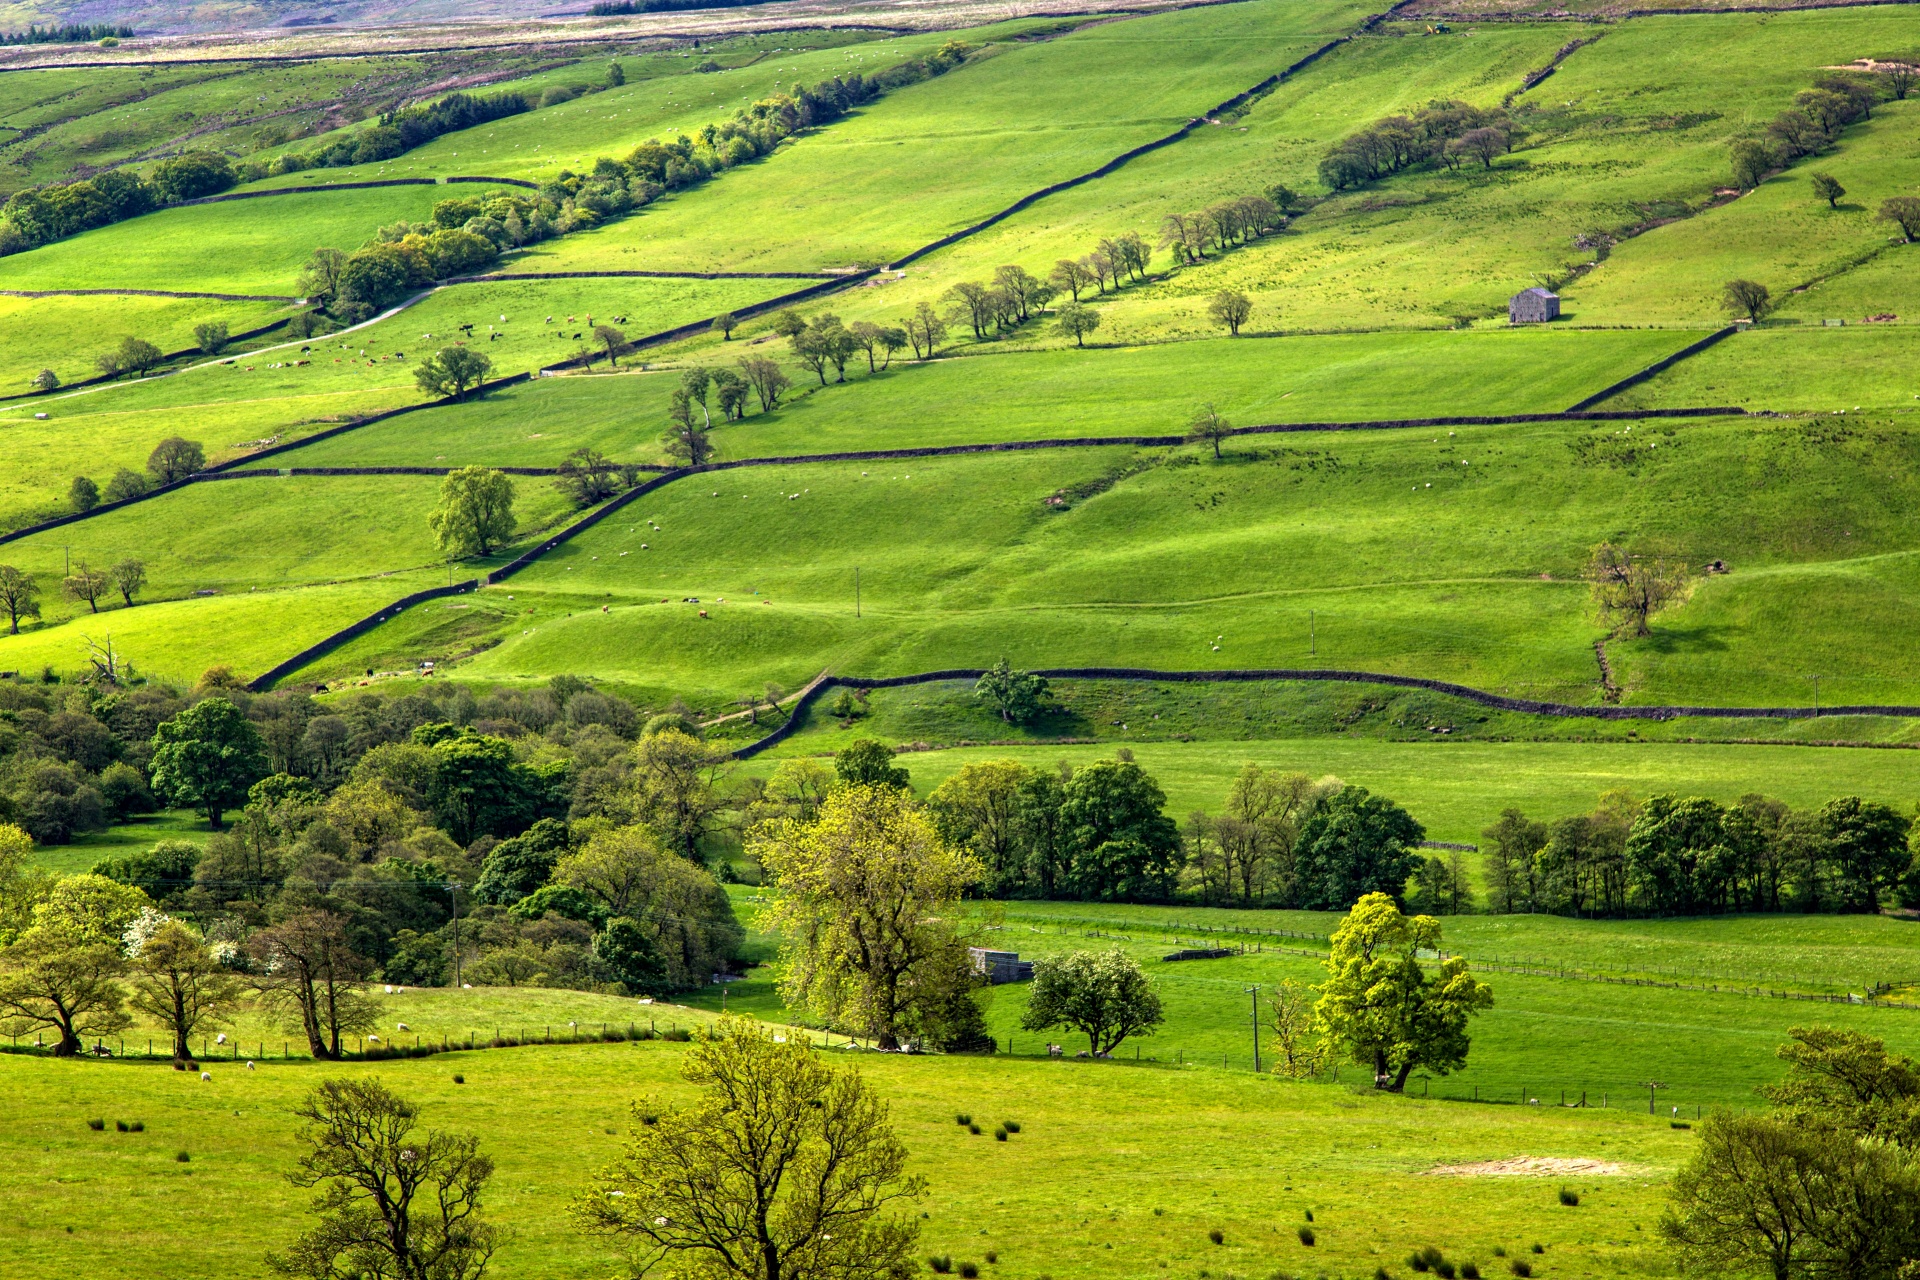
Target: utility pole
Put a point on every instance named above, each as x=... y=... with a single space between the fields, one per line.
x=1254 y=991
x=1651 y=1086
x=453 y=891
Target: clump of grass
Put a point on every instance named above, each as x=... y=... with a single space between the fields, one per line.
x=1499 y=1251
x=679 y=1035
x=1000 y=1134
x=1158 y=1212
x=1469 y=1271
x=138 y=1126
x=1520 y=1267
x=182 y=1157
x=120 y=1126
x=1309 y=1215
x=1011 y=1126
x=969 y=1271
x=96 y=1125
x=963 y=1119
x=973 y=1128
x=940 y=1263
x=179 y=1065
x=1381 y=1273
x=992 y=1256
x=1217 y=1236
x=1569 y=1197
x=459 y=1079
x=1306 y=1236
x=1443 y=1269
x=1678 y=1124
x=1539 y=1248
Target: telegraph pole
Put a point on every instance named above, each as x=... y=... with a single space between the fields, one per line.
x=453 y=891
x=1254 y=991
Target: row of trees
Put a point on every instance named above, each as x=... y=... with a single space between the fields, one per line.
x=1812 y=124
x=1446 y=132
x=1226 y=224
x=35 y=216
x=1672 y=855
x=465 y=235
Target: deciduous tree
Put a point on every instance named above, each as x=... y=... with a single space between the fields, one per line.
x=475 y=512
x=587 y=476
x=1101 y=994
x=393 y=1202
x=782 y=1169
x=1828 y=188
x=1077 y=321
x=179 y=985
x=19 y=596
x=208 y=756
x=612 y=341
x=1903 y=212
x=1299 y=1050
x=211 y=337
x=1230 y=308
x=1354 y=845
x=308 y=974
x=1209 y=426
x=129 y=576
x=867 y=896
x=174 y=459
x=86 y=585
x=1749 y=298
x=1627 y=588
x=1018 y=696
x=64 y=982
x=1383 y=1009
x=452 y=371
x=83 y=495
x=768 y=380
x=926 y=331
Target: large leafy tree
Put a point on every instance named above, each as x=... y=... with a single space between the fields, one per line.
x=393 y=1202
x=1867 y=844
x=979 y=807
x=65 y=982
x=309 y=974
x=452 y=371
x=475 y=514
x=868 y=891
x=782 y=1169
x=207 y=757
x=1125 y=847
x=1019 y=696
x=1356 y=844
x=179 y=985
x=1101 y=994
x=1386 y=1011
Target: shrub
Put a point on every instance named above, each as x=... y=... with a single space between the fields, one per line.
x=1569 y=1197
x=969 y=1271
x=1306 y=1235
x=963 y=1119
x=1520 y=1267
x=973 y=1128
x=1217 y=1236
x=96 y=1125
x=1000 y=1134
x=459 y=1079
x=679 y=1035
x=182 y=1157
x=1011 y=1126
x=940 y=1263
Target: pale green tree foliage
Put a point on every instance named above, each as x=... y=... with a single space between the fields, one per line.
x=1382 y=1008
x=1101 y=994
x=475 y=514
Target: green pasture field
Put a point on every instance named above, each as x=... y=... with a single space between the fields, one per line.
x=1633 y=126
x=133 y=836
x=1454 y=555
x=177 y=640
x=1802 y=367
x=935 y=157
x=1179 y=1152
x=236 y=246
x=67 y=334
x=1543 y=1035
x=663 y=97
x=264 y=396
x=1034 y=395
x=1457 y=789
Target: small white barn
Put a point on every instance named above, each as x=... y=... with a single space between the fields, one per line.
x=1533 y=306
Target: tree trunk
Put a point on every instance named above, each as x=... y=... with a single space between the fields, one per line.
x=1400 y=1079
x=69 y=1045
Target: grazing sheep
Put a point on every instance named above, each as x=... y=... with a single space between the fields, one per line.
x=249 y=1064
x=403 y=1026
x=206 y=1075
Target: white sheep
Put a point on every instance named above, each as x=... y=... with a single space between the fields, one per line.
x=221 y=1038
x=206 y=1075
x=403 y=1026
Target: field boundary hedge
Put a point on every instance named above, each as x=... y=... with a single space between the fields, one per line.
x=1657 y=367
x=1330 y=675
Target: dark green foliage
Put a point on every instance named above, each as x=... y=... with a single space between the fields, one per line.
x=479 y=789
x=969 y=1270
x=1520 y=1267
x=1011 y=1126
x=1019 y=696
x=66 y=33
x=1358 y=844
x=97 y=1125
x=83 y=495
x=1402 y=142
x=563 y=901
x=1469 y=1271
x=207 y=757
x=1306 y=1235
x=629 y=955
x=1217 y=1236
x=516 y=867
x=963 y=1119
x=1125 y=846
x=1569 y=1197
x=867 y=763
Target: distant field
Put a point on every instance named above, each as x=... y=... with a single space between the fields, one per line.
x=67 y=334
x=1457 y=789
x=1804 y=367
x=937 y=156
x=1358 y=1161
x=1038 y=395
x=1453 y=555
x=236 y=246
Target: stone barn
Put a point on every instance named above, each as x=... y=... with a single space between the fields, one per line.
x=1533 y=306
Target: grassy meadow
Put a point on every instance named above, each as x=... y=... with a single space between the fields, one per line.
x=550 y=1116
x=1453 y=554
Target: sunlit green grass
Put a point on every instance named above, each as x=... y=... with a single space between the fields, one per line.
x=544 y=1114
